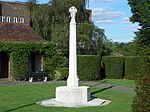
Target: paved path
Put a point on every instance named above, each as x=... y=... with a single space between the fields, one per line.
x=9 y=83
x=89 y=83
x=110 y=86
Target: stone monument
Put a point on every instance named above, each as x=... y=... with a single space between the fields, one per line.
x=72 y=93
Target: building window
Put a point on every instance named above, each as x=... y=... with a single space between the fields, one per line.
x=8 y=19
x=21 y=20
x=2 y=18
x=15 y=20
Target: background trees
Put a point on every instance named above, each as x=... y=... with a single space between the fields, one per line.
x=51 y=21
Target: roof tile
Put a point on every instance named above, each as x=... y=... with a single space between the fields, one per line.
x=18 y=32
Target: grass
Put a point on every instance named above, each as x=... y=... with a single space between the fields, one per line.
x=23 y=98
x=120 y=82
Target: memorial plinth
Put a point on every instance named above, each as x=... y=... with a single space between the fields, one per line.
x=72 y=93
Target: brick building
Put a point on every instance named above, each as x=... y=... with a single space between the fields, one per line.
x=14 y=12
x=15 y=27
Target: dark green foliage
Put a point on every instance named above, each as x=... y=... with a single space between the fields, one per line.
x=140 y=13
x=18 y=65
x=119 y=48
x=143 y=42
x=64 y=73
x=54 y=63
x=133 y=66
x=18 y=56
x=142 y=101
x=129 y=49
x=114 y=67
x=89 y=67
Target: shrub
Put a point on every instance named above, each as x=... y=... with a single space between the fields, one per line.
x=88 y=67
x=64 y=73
x=142 y=101
x=52 y=64
x=133 y=66
x=18 y=65
x=114 y=67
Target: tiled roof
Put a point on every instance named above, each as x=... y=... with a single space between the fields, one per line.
x=15 y=32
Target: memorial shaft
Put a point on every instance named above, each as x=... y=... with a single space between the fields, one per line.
x=72 y=80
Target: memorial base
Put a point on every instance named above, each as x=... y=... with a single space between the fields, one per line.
x=79 y=94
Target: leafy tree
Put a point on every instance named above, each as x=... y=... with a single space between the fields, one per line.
x=51 y=21
x=119 y=48
x=97 y=41
x=141 y=12
x=108 y=47
x=129 y=49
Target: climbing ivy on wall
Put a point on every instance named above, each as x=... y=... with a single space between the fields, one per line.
x=18 y=56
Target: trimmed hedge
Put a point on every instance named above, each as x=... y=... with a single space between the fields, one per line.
x=141 y=102
x=88 y=67
x=134 y=65
x=114 y=67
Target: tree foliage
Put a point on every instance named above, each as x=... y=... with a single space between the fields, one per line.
x=141 y=12
x=120 y=48
x=51 y=21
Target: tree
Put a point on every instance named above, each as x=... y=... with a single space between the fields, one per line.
x=51 y=21
x=97 y=41
x=129 y=49
x=40 y=18
x=141 y=12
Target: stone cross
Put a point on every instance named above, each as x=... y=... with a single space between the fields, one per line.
x=73 y=12
x=72 y=80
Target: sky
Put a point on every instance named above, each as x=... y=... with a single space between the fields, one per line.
x=112 y=16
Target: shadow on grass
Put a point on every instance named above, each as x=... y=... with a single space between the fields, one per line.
x=101 y=90
x=17 y=108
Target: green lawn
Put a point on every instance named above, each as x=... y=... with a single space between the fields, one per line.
x=23 y=98
x=121 y=82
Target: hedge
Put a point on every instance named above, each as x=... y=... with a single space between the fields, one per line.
x=88 y=67
x=141 y=102
x=134 y=65
x=114 y=67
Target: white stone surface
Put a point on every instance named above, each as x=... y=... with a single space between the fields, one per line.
x=72 y=80
x=93 y=102
x=79 y=94
x=72 y=93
